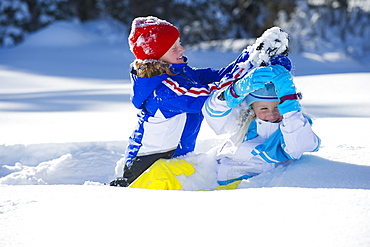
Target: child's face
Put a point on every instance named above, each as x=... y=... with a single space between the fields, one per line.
x=174 y=54
x=267 y=111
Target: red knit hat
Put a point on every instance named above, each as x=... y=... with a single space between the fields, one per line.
x=151 y=38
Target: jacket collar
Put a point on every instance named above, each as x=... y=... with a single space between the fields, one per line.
x=180 y=66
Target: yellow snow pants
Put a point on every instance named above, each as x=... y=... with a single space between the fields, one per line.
x=162 y=175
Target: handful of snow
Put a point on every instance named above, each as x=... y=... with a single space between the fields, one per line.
x=274 y=41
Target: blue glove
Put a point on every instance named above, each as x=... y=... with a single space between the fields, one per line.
x=289 y=105
x=285 y=90
x=254 y=80
x=282 y=60
x=282 y=80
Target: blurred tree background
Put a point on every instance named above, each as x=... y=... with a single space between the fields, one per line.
x=313 y=23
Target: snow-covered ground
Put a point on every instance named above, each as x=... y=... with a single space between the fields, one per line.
x=65 y=116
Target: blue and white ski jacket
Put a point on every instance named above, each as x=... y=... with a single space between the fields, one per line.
x=171 y=108
x=264 y=145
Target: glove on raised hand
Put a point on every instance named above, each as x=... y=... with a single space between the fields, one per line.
x=254 y=80
x=285 y=90
x=281 y=60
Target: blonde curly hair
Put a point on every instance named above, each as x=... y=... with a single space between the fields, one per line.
x=246 y=116
x=151 y=67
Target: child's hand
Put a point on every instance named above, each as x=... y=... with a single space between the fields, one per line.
x=282 y=80
x=285 y=90
x=282 y=60
x=253 y=81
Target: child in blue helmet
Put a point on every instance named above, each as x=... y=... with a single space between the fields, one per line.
x=270 y=129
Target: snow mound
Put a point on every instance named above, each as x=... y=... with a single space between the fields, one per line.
x=61 y=34
x=70 y=34
x=68 y=163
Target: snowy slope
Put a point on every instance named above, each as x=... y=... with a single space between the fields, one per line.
x=65 y=116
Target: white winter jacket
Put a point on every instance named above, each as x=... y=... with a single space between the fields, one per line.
x=264 y=145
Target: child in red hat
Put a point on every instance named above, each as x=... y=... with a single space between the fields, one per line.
x=169 y=94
